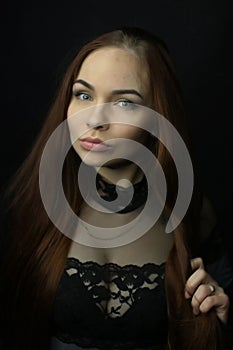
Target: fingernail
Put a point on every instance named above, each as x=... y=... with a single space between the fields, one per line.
x=186 y=294
x=196 y=312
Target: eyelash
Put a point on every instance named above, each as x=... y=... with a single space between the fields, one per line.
x=77 y=94
x=130 y=104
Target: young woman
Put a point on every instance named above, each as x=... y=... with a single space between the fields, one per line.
x=61 y=289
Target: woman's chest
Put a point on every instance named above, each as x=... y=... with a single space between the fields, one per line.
x=112 y=304
x=120 y=273
x=120 y=287
x=153 y=247
x=131 y=238
x=112 y=288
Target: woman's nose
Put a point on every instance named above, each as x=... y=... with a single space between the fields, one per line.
x=98 y=117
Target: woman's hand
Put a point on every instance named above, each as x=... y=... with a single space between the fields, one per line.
x=205 y=293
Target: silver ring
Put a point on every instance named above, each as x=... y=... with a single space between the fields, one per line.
x=212 y=288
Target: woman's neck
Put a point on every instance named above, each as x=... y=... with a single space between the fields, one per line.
x=129 y=172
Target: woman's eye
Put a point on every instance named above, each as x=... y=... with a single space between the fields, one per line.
x=82 y=96
x=126 y=104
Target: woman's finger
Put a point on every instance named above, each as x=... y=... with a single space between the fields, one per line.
x=197 y=263
x=195 y=280
x=202 y=292
x=219 y=302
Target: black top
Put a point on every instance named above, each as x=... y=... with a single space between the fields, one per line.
x=110 y=306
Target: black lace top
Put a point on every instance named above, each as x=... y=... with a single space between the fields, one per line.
x=110 y=306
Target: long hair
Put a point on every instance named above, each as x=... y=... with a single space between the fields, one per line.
x=37 y=250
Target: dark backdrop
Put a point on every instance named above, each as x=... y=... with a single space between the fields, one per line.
x=36 y=44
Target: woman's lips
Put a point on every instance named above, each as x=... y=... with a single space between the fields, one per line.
x=96 y=145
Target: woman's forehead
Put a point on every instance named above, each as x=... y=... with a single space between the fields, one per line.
x=113 y=66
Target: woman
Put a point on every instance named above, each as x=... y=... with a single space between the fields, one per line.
x=151 y=291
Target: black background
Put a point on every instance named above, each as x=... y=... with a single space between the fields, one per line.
x=37 y=40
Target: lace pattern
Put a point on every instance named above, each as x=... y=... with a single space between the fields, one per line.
x=114 y=288
x=110 y=306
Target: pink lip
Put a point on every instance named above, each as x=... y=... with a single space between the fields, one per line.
x=93 y=144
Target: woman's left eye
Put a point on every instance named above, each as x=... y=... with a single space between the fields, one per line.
x=126 y=104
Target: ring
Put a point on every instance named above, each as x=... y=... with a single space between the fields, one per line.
x=212 y=288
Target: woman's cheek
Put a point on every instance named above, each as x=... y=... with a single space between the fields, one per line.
x=71 y=109
x=130 y=132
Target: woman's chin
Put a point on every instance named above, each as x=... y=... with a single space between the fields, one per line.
x=112 y=164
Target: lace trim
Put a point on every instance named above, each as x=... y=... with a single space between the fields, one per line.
x=108 y=192
x=113 y=288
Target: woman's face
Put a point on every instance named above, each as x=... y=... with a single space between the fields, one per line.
x=109 y=77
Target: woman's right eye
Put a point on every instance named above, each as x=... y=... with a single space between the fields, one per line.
x=82 y=95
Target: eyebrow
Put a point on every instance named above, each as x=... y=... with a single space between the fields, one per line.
x=114 y=92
